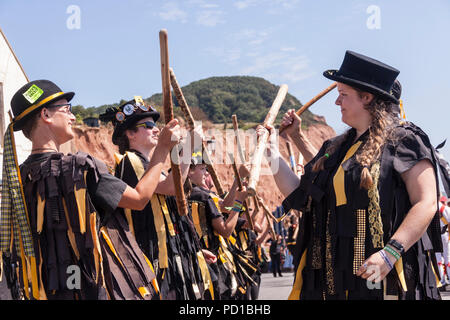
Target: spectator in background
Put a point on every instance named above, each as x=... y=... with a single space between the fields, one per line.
x=276 y=251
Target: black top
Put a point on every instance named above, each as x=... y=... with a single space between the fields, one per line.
x=203 y=195
x=276 y=247
x=331 y=232
x=105 y=193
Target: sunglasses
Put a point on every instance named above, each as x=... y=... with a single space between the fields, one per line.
x=65 y=110
x=146 y=124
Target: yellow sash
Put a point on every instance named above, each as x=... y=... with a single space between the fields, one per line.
x=339 y=177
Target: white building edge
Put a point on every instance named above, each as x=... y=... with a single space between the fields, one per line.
x=12 y=77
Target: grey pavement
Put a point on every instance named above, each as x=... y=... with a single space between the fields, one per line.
x=279 y=288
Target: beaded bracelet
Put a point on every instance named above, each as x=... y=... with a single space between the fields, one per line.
x=237 y=206
x=386 y=259
x=392 y=251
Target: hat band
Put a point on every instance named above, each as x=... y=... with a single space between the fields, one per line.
x=37 y=105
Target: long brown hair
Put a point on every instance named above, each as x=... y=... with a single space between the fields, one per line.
x=380 y=129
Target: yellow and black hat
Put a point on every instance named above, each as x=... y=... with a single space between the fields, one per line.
x=127 y=115
x=32 y=97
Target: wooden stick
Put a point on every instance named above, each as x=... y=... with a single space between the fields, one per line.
x=267 y=214
x=310 y=103
x=168 y=116
x=262 y=140
x=291 y=156
x=238 y=139
x=191 y=122
x=241 y=151
x=239 y=182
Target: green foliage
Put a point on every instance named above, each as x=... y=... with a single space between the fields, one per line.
x=218 y=98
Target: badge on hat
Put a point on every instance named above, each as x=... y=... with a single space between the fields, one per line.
x=120 y=116
x=140 y=103
x=128 y=109
x=33 y=93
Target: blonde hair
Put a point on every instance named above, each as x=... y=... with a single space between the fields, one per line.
x=380 y=129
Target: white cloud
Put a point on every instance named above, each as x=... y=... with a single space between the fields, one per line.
x=172 y=12
x=240 y=5
x=281 y=65
x=210 y=18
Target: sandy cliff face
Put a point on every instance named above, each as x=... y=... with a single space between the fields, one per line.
x=97 y=142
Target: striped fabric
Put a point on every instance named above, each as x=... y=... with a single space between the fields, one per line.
x=13 y=218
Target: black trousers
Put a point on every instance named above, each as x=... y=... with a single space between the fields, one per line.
x=276 y=264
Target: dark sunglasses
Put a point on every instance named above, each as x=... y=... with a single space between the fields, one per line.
x=146 y=124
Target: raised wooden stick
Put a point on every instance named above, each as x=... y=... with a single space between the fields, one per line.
x=238 y=139
x=268 y=215
x=191 y=122
x=168 y=116
x=291 y=156
x=241 y=151
x=262 y=140
x=310 y=103
x=239 y=182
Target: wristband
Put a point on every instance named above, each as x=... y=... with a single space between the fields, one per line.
x=392 y=252
x=396 y=245
x=386 y=259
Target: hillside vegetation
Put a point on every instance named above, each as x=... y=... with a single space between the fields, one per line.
x=217 y=98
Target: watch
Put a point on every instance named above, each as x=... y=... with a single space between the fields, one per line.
x=396 y=245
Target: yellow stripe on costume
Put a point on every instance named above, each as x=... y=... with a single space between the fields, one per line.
x=339 y=177
x=401 y=276
x=40 y=213
x=129 y=217
x=118 y=157
x=160 y=228
x=163 y=204
x=105 y=234
x=298 y=284
x=80 y=197
x=70 y=233
x=154 y=281
x=136 y=163
x=205 y=273
x=196 y=219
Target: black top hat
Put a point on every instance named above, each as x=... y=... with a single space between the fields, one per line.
x=367 y=74
x=127 y=115
x=32 y=97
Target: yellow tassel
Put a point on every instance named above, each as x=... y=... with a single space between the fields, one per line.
x=40 y=213
x=80 y=196
x=402 y=111
x=401 y=276
x=34 y=278
x=297 y=288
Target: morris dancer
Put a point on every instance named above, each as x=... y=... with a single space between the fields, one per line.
x=166 y=238
x=369 y=197
x=59 y=210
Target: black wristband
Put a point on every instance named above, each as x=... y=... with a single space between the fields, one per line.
x=397 y=246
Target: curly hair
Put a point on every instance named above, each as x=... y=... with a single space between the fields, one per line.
x=383 y=120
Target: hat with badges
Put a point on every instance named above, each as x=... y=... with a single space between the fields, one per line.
x=127 y=115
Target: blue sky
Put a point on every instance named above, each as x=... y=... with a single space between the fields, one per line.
x=115 y=53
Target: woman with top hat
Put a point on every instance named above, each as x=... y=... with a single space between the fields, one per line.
x=59 y=211
x=166 y=238
x=369 y=196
